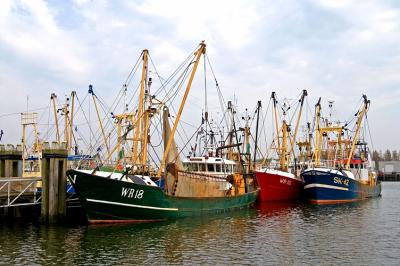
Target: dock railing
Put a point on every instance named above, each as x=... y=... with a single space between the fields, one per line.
x=17 y=191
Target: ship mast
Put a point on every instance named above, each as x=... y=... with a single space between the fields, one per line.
x=256 y=140
x=148 y=113
x=283 y=155
x=71 y=122
x=198 y=53
x=99 y=118
x=53 y=100
x=361 y=114
x=64 y=110
x=298 y=121
x=276 y=119
x=318 y=133
x=140 y=121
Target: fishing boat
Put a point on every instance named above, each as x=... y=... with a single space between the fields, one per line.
x=346 y=174
x=282 y=182
x=133 y=194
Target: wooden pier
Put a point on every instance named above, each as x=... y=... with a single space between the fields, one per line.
x=48 y=191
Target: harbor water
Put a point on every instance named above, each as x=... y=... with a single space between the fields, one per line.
x=363 y=233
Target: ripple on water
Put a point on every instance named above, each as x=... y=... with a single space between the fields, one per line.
x=364 y=233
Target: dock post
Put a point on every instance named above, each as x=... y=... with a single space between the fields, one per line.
x=54 y=166
x=11 y=165
x=44 y=212
x=2 y=161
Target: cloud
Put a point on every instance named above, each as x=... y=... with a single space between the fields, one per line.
x=80 y=2
x=335 y=49
x=29 y=31
x=225 y=23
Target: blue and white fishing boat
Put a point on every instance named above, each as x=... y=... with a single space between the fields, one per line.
x=345 y=175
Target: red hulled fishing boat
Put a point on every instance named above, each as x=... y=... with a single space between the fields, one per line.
x=282 y=182
x=278 y=185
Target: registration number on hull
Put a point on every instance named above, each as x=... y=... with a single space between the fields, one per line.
x=341 y=181
x=132 y=193
x=285 y=181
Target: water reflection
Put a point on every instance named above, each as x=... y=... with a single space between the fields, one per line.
x=268 y=209
x=273 y=233
x=180 y=241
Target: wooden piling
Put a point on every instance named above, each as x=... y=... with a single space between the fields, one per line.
x=2 y=161
x=10 y=161
x=54 y=182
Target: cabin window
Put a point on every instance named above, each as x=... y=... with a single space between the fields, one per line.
x=226 y=167
x=193 y=167
x=351 y=165
x=217 y=168
x=210 y=167
x=361 y=166
x=202 y=167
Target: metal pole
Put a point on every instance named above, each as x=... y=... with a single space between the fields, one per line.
x=256 y=142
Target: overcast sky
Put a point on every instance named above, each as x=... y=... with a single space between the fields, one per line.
x=337 y=49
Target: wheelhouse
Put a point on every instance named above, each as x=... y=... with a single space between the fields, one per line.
x=209 y=165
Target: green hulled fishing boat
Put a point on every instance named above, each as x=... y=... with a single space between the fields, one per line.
x=138 y=194
x=108 y=200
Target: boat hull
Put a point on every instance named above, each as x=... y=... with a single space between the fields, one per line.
x=322 y=187
x=107 y=200
x=278 y=187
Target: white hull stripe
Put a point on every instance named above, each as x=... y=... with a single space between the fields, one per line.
x=325 y=186
x=132 y=205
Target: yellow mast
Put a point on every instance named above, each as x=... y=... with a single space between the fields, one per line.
x=147 y=115
x=359 y=120
x=53 y=100
x=66 y=120
x=139 y=134
x=325 y=131
x=283 y=155
x=340 y=147
x=298 y=121
x=140 y=122
x=71 y=122
x=99 y=118
x=317 y=132
x=198 y=53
